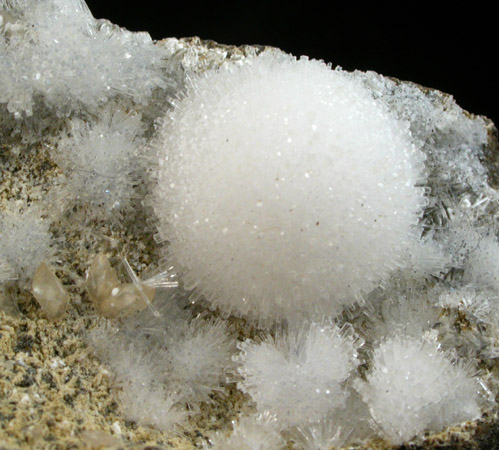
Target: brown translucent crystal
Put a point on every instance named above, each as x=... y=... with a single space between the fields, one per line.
x=49 y=292
x=112 y=298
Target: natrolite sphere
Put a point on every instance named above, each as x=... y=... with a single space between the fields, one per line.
x=284 y=189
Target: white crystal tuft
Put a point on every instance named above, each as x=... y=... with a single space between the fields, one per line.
x=101 y=161
x=144 y=396
x=56 y=49
x=250 y=433
x=300 y=374
x=25 y=240
x=414 y=387
x=166 y=362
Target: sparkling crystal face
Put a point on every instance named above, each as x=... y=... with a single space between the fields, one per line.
x=284 y=187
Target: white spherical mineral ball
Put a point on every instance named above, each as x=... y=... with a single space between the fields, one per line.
x=284 y=188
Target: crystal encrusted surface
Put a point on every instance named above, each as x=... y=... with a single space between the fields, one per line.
x=435 y=307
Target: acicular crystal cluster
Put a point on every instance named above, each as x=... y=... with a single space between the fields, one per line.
x=58 y=53
x=299 y=374
x=284 y=189
x=402 y=366
x=314 y=247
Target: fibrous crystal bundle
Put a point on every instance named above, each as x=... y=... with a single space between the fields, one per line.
x=309 y=250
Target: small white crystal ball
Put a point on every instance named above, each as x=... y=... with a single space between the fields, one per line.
x=284 y=188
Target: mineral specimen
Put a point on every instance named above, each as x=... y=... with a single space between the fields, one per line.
x=329 y=245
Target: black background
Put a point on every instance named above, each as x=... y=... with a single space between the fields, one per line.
x=451 y=48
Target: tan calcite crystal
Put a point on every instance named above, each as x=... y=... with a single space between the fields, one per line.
x=101 y=279
x=112 y=298
x=49 y=292
x=126 y=299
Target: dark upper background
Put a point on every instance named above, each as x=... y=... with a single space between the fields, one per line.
x=450 y=49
